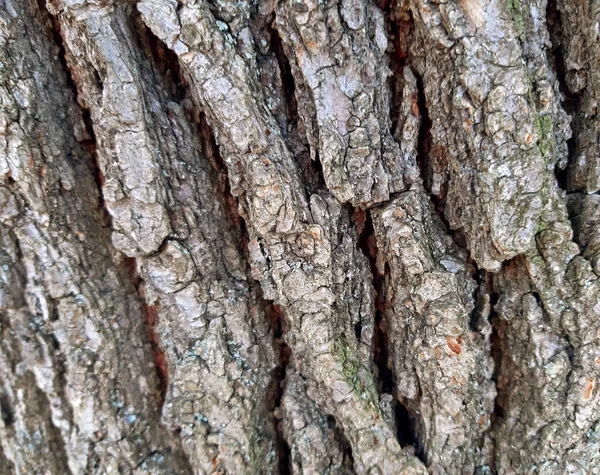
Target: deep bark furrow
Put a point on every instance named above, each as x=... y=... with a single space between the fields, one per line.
x=281 y=219
x=393 y=410
x=203 y=317
x=576 y=34
x=429 y=303
x=150 y=320
x=570 y=101
x=89 y=143
x=80 y=391
x=274 y=314
x=277 y=386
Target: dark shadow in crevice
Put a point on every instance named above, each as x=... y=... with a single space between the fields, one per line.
x=497 y=339
x=6 y=411
x=150 y=314
x=164 y=60
x=311 y=171
x=168 y=67
x=89 y=143
x=570 y=102
x=276 y=386
x=343 y=442
x=400 y=29
x=384 y=377
x=210 y=150
x=405 y=428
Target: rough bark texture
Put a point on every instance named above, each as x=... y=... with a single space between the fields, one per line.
x=299 y=236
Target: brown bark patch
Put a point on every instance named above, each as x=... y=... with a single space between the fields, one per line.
x=454 y=344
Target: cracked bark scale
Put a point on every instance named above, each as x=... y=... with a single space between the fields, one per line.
x=246 y=237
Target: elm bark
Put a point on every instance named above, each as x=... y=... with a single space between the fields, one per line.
x=342 y=236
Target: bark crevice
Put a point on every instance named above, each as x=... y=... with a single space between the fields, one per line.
x=405 y=430
x=343 y=442
x=276 y=387
x=311 y=169
x=89 y=143
x=6 y=411
x=274 y=313
x=499 y=356
x=150 y=314
x=570 y=101
x=399 y=25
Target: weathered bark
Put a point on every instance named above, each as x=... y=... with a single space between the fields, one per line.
x=299 y=236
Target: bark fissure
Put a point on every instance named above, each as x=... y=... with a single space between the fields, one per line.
x=385 y=379
x=569 y=100
x=56 y=437
x=399 y=25
x=497 y=352
x=89 y=143
x=165 y=63
x=6 y=411
x=310 y=168
x=424 y=147
x=211 y=152
x=343 y=441
x=277 y=385
x=273 y=312
x=150 y=321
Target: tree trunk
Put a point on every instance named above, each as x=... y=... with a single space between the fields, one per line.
x=320 y=237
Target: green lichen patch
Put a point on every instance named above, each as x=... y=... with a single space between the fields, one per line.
x=513 y=7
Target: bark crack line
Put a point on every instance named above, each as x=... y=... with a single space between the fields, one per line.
x=276 y=386
x=274 y=312
x=570 y=101
x=500 y=375
x=90 y=143
x=150 y=313
x=311 y=169
x=6 y=411
x=130 y=264
x=343 y=442
x=385 y=378
x=399 y=25
x=58 y=448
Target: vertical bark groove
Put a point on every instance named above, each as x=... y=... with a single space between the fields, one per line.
x=277 y=386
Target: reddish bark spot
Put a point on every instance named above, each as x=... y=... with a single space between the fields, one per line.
x=454 y=344
x=414 y=103
x=359 y=216
x=589 y=389
x=150 y=319
x=310 y=45
x=160 y=360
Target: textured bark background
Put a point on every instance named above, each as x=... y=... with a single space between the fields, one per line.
x=299 y=236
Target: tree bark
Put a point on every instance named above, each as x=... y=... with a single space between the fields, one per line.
x=321 y=237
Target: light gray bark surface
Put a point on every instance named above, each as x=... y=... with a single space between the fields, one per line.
x=320 y=237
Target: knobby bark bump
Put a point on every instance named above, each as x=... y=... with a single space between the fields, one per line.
x=299 y=236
